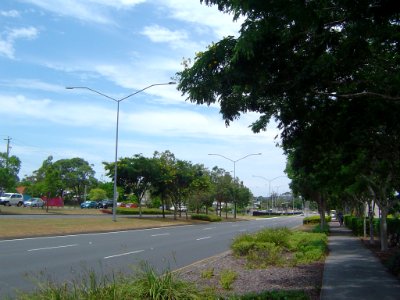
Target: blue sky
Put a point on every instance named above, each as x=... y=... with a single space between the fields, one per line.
x=118 y=47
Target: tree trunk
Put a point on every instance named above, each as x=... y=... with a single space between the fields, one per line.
x=316 y=196
x=371 y=223
x=383 y=229
x=163 y=207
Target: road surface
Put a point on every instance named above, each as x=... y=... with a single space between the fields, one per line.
x=60 y=258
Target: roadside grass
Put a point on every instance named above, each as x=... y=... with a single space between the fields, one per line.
x=25 y=227
x=144 y=284
x=67 y=210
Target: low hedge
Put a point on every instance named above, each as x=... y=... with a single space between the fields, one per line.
x=315 y=219
x=357 y=226
x=145 y=211
x=204 y=217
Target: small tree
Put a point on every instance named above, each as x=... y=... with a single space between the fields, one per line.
x=97 y=194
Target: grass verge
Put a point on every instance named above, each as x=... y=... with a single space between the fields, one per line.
x=22 y=227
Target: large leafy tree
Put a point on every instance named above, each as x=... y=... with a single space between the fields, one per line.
x=135 y=175
x=76 y=173
x=9 y=169
x=314 y=66
x=56 y=178
x=162 y=183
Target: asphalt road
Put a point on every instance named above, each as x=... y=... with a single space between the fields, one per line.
x=25 y=261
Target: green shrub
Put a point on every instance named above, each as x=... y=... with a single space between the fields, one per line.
x=265 y=254
x=243 y=247
x=135 y=211
x=227 y=278
x=318 y=229
x=273 y=295
x=279 y=237
x=315 y=219
x=149 y=285
x=146 y=284
x=308 y=247
x=393 y=264
x=280 y=247
x=204 y=217
x=208 y=273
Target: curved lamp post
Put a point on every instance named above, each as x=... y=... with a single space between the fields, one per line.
x=234 y=172
x=114 y=218
x=269 y=184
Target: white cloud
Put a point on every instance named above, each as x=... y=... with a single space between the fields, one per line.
x=88 y=11
x=190 y=11
x=156 y=122
x=10 y=13
x=160 y=34
x=9 y=37
x=32 y=84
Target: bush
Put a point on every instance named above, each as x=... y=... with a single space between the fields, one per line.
x=150 y=285
x=280 y=237
x=315 y=220
x=265 y=254
x=273 y=295
x=204 y=217
x=393 y=264
x=280 y=247
x=145 y=211
x=318 y=229
x=308 y=247
x=227 y=278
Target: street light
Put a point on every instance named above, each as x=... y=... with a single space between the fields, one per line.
x=114 y=218
x=269 y=185
x=234 y=172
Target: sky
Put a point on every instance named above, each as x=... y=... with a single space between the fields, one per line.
x=118 y=47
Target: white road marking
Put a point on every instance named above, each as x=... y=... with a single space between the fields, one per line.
x=50 y=248
x=209 y=228
x=160 y=234
x=123 y=254
x=203 y=238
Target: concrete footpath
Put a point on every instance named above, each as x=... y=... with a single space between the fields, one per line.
x=353 y=272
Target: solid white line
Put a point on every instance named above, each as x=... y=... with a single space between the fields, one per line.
x=160 y=234
x=122 y=254
x=56 y=247
x=203 y=238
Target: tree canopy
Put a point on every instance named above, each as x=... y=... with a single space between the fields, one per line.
x=327 y=72
x=9 y=168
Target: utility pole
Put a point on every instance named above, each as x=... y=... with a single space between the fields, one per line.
x=8 y=139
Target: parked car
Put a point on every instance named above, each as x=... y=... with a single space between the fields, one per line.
x=12 y=199
x=89 y=204
x=182 y=208
x=105 y=203
x=34 y=202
